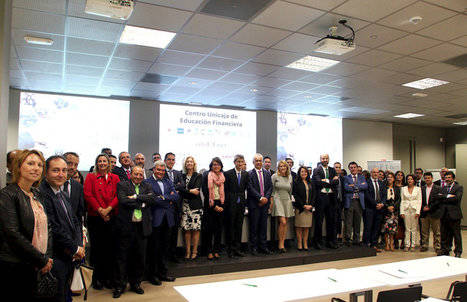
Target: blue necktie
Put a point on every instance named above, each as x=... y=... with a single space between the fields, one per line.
x=60 y=196
x=239 y=176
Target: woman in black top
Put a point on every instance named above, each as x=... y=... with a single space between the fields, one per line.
x=305 y=197
x=391 y=216
x=192 y=207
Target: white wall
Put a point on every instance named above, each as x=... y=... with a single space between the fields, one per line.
x=366 y=140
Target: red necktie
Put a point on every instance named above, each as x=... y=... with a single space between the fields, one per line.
x=128 y=174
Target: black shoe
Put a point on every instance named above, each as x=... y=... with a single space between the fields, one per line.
x=167 y=278
x=299 y=249
x=254 y=252
x=231 y=255
x=96 y=284
x=174 y=260
x=305 y=249
x=265 y=251
x=282 y=251
x=155 y=281
x=423 y=249
x=137 y=289
x=331 y=245
x=347 y=244
x=239 y=254
x=108 y=284
x=458 y=255
x=318 y=246
x=117 y=293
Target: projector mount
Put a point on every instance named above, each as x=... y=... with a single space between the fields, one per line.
x=332 y=34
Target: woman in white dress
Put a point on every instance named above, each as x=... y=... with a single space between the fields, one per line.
x=411 y=203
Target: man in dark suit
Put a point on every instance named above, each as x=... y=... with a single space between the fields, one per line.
x=163 y=222
x=419 y=182
x=258 y=200
x=73 y=189
x=451 y=215
x=290 y=162
x=441 y=182
x=123 y=172
x=375 y=200
x=325 y=180
x=177 y=180
x=236 y=182
x=133 y=226
x=355 y=186
x=339 y=199
x=430 y=214
x=66 y=232
x=267 y=164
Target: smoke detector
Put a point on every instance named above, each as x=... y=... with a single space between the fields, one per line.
x=415 y=20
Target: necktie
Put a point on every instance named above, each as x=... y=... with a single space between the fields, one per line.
x=239 y=176
x=137 y=214
x=376 y=191
x=261 y=185
x=355 y=196
x=60 y=197
x=171 y=175
x=65 y=189
x=326 y=175
x=128 y=173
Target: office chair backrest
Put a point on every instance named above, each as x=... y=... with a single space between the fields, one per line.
x=409 y=294
x=457 y=292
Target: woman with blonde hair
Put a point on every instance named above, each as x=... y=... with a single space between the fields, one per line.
x=192 y=207
x=25 y=232
x=281 y=200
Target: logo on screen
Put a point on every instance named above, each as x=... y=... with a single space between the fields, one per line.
x=180 y=131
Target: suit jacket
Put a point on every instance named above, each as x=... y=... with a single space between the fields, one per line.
x=434 y=202
x=299 y=193
x=120 y=172
x=165 y=202
x=451 y=206
x=76 y=200
x=126 y=206
x=421 y=184
x=66 y=230
x=396 y=202
x=294 y=175
x=254 y=191
x=438 y=183
x=319 y=178
x=370 y=196
x=194 y=201
x=179 y=184
x=234 y=191
x=362 y=186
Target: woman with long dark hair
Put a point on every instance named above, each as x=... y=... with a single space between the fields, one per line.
x=391 y=216
x=305 y=198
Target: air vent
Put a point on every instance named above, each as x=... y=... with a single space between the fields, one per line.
x=236 y=9
x=158 y=79
x=459 y=61
x=457 y=116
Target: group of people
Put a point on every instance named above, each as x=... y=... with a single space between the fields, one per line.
x=133 y=214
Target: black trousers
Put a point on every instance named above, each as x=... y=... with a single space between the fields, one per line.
x=101 y=235
x=372 y=226
x=173 y=240
x=63 y=271
x=258 y=226
x=325 y=209
x=234 y=224
x=214 y=221
x=131 y=255
x=339 y=218
x=159 y=249
x=451 y=229
x=17 y=281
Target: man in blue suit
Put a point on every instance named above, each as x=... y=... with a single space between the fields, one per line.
x=258 y=194
x=355 y=186
x=163 y=222
x=375 y=201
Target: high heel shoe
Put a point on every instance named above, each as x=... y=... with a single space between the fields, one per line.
x=282 y=251
x=194 y=256
x=216 y=255
x=210 y=256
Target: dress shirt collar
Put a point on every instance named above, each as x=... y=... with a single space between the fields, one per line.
x=155 y=178
x=237 y=171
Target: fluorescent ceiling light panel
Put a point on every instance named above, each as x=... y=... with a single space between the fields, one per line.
x=315 y=64
x=409 y=115
x=38 y=40
x=146 y=37
x=425 y=83
x=461 y=123
x=419 y=95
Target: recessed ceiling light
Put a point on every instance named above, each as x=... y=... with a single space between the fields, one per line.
x=146 y=37
x=409 y=115
x=38 y=40
x=254 y=90
x=310 y=63
x=461 y=123
x=425 y=83
x=193 y=83
x=374 y=37
x=419 y=95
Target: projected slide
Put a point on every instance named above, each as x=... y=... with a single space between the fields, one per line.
x=207 y=132
x=55 y=124
x=304 y=137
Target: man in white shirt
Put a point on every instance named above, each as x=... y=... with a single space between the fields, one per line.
x=430 y=213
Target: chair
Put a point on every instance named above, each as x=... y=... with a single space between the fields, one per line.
x=408 y=294
x=457 y=292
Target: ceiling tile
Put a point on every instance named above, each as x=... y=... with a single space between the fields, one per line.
x=89 y=46
x=86 y=60
x=410 y=44
x=453 y=76
x=237 y=51
x=271 y=82
x=180 y=58
x=320 y=78
x=36 y=54
x=207 y=74
x=289 y=73
x=51 y=6
x=375 y=35
x=256 y=68
x=195 y=44
x=93 y=29
x=299 y=86
x=457 y=5
x=213 y=27
x=129 y=51
x=446 y=30
x=297 y=43
x=182 y=91
x=345 y=69
x=441 y=52
x=37 y=21
x=84 y=70
x=151 y=87
x=18 y=39
x=219 y=63
x=181 y=4
x=320 y=27
x=374 y=75
x=225 y=86
x=192 y=82
x=400 y=78
x=324 y=5
x=432 y=69
x=462 y=41
x=240 y=78
x=277 y=57
x=169 y=69
x=259 y=35
x=371 y=10
x=404 y=64
x=287 y=16
x=158 y=17
x=129 y=65
x=373 y=58
x=133 y=76
x=430 y=13
x=41 y=67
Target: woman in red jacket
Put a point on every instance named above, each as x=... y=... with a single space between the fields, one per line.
x=100 y=193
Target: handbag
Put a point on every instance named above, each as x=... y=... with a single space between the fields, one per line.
x=46 y=286
x=77 y=284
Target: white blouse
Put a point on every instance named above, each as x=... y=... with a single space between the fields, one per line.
x=411 y=202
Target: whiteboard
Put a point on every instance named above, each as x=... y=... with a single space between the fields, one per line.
x=391 y=165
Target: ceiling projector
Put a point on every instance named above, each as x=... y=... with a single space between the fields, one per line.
x=336 y=45
x=116 y=9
